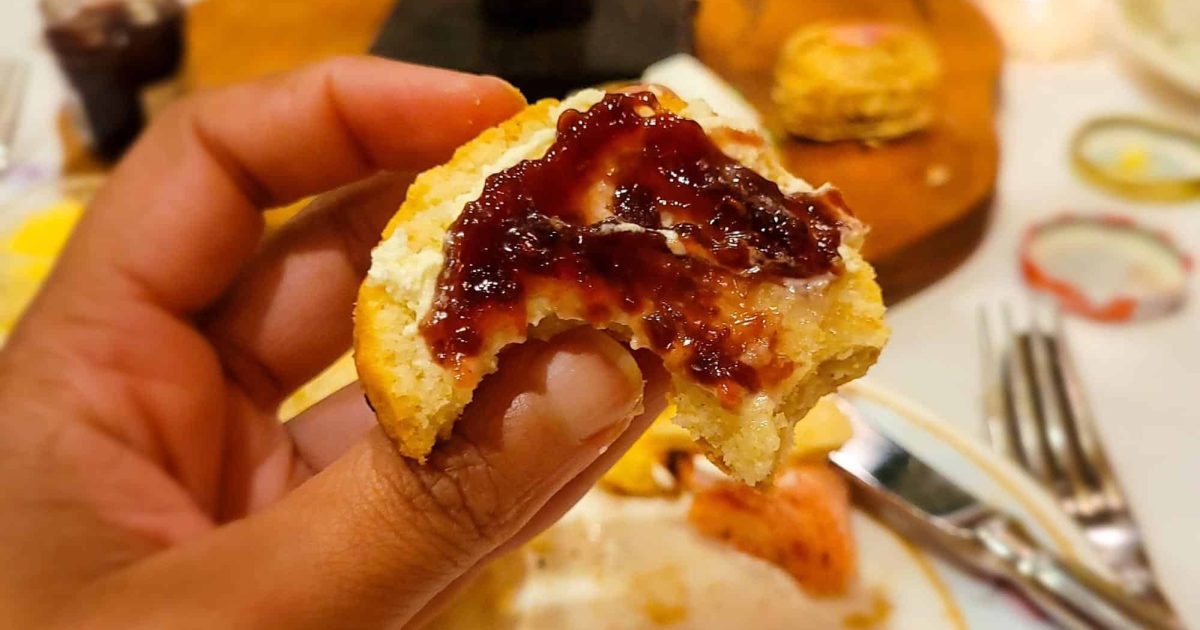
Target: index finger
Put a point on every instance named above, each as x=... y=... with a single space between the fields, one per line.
x=179 y=216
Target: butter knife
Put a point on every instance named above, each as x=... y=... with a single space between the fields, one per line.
x=925 y=506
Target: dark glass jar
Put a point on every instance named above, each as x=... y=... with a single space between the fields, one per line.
x=110 y=51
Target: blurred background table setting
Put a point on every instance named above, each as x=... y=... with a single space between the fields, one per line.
x=1026 y=157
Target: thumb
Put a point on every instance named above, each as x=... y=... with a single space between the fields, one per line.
x=373 y=538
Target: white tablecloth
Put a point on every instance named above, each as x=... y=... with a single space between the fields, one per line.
x=1144 y=379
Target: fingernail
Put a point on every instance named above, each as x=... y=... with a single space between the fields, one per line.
x=593 y=384
x=504 y=84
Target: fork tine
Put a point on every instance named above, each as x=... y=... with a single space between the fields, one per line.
x=995 y=413
x=1022 y=413
x=1072 y=485
x=1033 y=399
x=1093 y=462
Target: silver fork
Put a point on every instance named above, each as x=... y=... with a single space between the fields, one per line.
x=14 y=76
x=1037 y=415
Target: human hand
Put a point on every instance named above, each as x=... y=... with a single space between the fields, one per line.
x=144 y=478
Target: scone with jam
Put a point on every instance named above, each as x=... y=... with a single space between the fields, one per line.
x=640 y=214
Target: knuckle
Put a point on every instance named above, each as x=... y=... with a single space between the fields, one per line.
x=463 y=492
x=465 y=477
x=452 y=503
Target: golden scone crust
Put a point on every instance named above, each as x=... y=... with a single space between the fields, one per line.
x=833 y=330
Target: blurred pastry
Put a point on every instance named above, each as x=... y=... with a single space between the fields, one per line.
x=674 y=229
x=856 y=81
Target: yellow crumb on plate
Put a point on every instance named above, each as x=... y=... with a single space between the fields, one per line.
x=661 y=594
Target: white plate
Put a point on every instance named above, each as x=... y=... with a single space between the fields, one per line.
x=618 y=563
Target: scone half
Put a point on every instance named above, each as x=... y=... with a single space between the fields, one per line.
x=636 y=213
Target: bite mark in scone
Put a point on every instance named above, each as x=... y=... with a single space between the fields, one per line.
x=642 y=215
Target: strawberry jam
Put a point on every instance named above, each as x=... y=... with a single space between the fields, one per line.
x=634 y=211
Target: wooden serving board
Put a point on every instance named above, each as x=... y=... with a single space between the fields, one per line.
x=926 y=196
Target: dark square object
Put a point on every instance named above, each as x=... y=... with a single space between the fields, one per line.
x=615 y=40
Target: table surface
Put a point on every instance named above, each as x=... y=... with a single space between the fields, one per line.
x=1142 y=378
